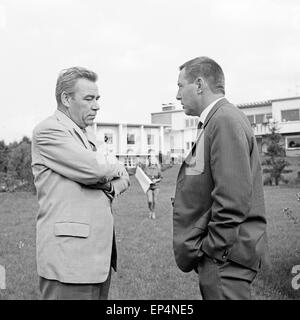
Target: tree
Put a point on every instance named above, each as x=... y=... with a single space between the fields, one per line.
x=15 y=165
x=3 y=156
x=276 y=162
x=19 y=164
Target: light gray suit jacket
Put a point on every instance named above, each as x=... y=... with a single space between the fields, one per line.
x=74 y=234
x=219 y=202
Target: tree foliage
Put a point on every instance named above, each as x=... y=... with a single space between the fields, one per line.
x=275 y=163
x=15 y=165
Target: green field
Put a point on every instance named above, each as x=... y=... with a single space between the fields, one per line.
x=146 y=265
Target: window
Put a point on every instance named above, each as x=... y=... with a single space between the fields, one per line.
x=293 y=142
x=130 y=162
x=259 y=118
x=108 y=138
x=150 y=139
x=130 y=138
x=187 y=123
x=251 y=118
x=268 y=116
x=290 y=115
x=187 y=145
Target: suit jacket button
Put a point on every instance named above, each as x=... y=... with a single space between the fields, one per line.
x=225 y=254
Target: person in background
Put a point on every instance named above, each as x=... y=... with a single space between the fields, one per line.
x=153 y=171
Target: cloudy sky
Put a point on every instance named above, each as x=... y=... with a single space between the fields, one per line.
x=136 y=46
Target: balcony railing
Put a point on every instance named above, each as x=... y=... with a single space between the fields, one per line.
x=260 y=128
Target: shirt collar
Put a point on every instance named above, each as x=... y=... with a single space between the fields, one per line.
x=205 y=112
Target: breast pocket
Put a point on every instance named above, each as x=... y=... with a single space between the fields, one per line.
x=195 y=160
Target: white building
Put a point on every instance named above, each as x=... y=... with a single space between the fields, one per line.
x=285 y=112
x=183 y=131
x=172 y=133
x=133 y=143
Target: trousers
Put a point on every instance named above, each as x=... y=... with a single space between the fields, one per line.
x=224 y=280
x=56 y=290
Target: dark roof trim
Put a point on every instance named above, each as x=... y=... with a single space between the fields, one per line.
x=283 y=99
x=254 y=104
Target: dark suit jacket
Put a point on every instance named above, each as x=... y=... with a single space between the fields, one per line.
x=219 y=201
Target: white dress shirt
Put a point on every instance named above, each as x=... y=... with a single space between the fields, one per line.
x=206 y=111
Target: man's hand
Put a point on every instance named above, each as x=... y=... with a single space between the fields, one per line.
x=105 y=186
x=108 y=189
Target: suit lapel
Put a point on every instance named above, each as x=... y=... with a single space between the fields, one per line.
x=214 y=109
x=72 y=126
x=190 y=154
x=188 y=158
x=91 y=137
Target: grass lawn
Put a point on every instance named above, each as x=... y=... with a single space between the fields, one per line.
x=146 y=265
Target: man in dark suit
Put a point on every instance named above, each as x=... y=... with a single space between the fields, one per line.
x=219 y=223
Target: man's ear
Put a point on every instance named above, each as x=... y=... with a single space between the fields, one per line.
x=65 y=99
x=200 y=83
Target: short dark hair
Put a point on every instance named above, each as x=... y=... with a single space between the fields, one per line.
x=208 y=69
x=68 y=77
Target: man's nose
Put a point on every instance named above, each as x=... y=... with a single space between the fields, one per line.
x=96 y=105
x=178 y=97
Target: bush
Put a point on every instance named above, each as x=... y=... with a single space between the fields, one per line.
x=267 y=181
x=15 y=169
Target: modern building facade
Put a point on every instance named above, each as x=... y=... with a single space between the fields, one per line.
x=172 y=133
x=133 y=143
x=284 y=112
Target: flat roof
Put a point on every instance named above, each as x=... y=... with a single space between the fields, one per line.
x=264 y=103
x=283 y=99
x=116 y=124
x=168 y=111
x=254 y=104
x=133 y=154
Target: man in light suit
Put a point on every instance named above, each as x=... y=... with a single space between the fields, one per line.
x=219 y=223
x=75 y=185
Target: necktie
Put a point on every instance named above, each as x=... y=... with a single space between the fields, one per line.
x=199 y=129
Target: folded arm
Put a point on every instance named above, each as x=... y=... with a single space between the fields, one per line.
x=63 y=154
x=114 y=187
